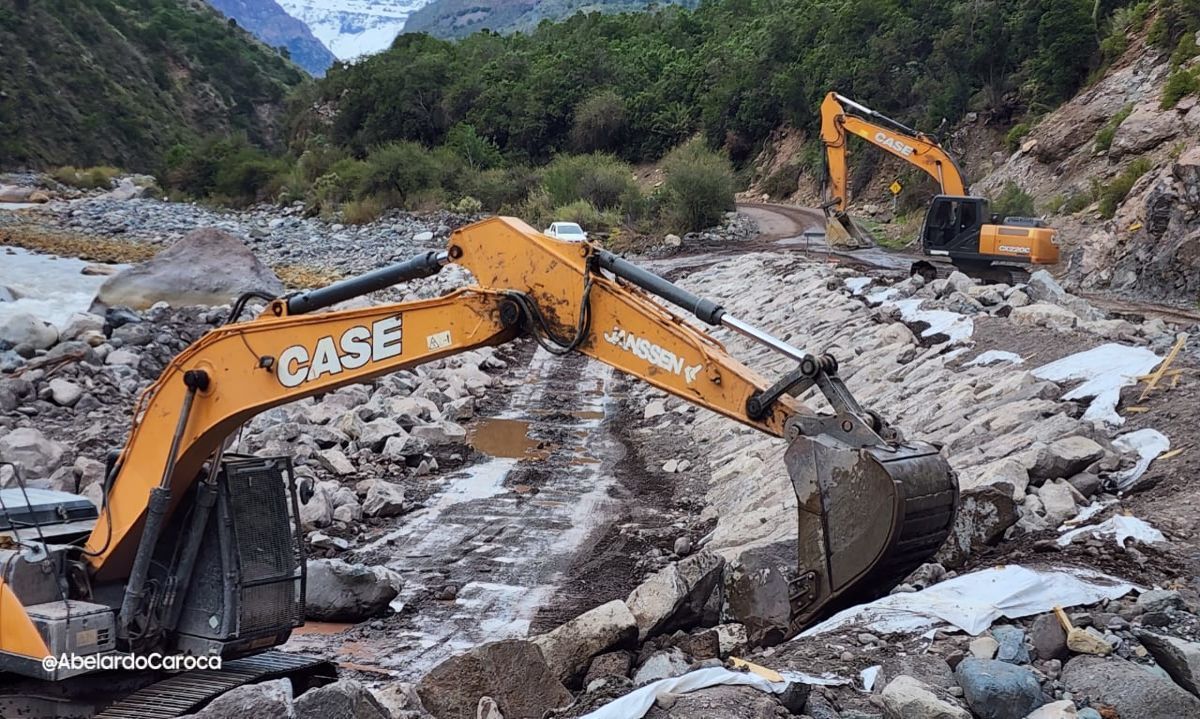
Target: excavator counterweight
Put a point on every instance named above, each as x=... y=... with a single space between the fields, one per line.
x=179 y=507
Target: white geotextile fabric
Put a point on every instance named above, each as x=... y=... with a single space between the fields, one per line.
x=1148 y=443
x=1104 y=370
x=636 y=703
x=972 y=602
x=995 y=357
x=1120 y=528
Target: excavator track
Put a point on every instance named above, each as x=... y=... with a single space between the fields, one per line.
x=185 y=693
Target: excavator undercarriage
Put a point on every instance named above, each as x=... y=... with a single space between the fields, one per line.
x=198 y=551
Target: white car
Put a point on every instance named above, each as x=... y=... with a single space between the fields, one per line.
x=568 y=231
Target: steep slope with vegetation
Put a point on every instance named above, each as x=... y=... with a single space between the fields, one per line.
x=271 y=23
x=120 y=82
x=458 y=18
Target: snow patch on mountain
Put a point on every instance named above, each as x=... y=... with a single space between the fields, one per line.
x=352 y=28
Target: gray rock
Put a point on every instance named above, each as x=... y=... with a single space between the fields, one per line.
x=1012 y=645
x=1048 y=637
x=265 y=700
x=1041 y=314
x=1064 y=709
x=984 y=513
x=123 y=358
x=30 y=450
x=25 y=329
x=721 y=702
x=79 y=324
x=1086 y=483
x=440 y=433
x=1065 y=457
x=207 y=267
x=984 y=647
x=512 y=672
x=1158 y=600
x=343 y=699
x=1042 y=287
x=612 y=664
x=674 y=597
x=1058 y=501
x=318 y=510
x=568 y=650
x=929 y=669
x=341 y=592
x=907 y=698
x=398 y=698
x=757 y=596
x=384 y=499
x=1180 y=659
x=64 y=392
x=998 y=690
x=376 y=433
x=336 y=461
x=1130 y=689
x=661 y=665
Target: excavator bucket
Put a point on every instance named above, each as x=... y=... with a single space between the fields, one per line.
x=844 y=233
x=869 y=516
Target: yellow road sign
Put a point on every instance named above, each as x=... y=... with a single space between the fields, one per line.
x=895 y=187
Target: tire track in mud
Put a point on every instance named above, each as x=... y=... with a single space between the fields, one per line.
x=492 y=544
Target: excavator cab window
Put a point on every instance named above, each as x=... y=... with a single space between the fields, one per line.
x=953 y=221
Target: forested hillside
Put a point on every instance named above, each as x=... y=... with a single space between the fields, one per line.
x=459 y=18
x=638 y=84
x=121 y=81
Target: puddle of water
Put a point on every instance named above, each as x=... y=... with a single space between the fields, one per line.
x=504 y=437
x=50 y=288
x=322 y=628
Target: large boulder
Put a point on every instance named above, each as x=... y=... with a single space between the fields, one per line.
x=719 y=702
x=1180 y=658
x=569 y=648
x=1065 y=457
x=207 y=267
x=25 y=329
x=984 y=514
x=906 y=698
x=512 y=672
x=674 y=597
x=1146 y=128
x=1128 y=688
x=344 y=699
x=998 y=690
x=29 y=449
x=338 y=591
x=265 y=700
x=1041 y=314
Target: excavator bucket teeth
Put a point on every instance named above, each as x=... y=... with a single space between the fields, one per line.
x=844 y=233
x=868 y=517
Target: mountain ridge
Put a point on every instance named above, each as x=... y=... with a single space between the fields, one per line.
x=274 y=26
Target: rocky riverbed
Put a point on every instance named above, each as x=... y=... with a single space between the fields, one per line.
x=509 y=534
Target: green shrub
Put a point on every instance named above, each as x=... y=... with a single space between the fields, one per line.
x=599 y=122
x=1055 y=204
x=1013 y=202
x=587 y=215
x=501 y=187
x=401 y=169
x=317 y=159
x=1185 y=50
x=479 y=152
x=536 y=209
x=602 y=180
x=1113 y=194
x=1014 y=137
x=1077 y=201
x=1180 y=84
x=361 y=212
x=698 y=189
x=467 y=206
x=338 y=185
x=90 y=178
x=1105 y=136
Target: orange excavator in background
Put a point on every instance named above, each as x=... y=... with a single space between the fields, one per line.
x=199 y=551
x=958 y=227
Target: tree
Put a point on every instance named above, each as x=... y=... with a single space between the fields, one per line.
x=599 y=123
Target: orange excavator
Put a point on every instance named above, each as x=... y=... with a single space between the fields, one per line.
x=197 y=551
x=958 y=227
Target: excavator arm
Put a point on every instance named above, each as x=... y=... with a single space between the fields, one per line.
x=872 y=506
x=842 y=117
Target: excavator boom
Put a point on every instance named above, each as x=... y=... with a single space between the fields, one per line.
x=872 y=506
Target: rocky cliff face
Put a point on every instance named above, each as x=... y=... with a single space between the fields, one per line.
x=270 y=23
x=1117 y=174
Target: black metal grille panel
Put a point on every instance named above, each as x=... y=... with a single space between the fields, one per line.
x=267 y=544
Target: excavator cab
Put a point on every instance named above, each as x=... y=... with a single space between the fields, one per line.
x=952 y=225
